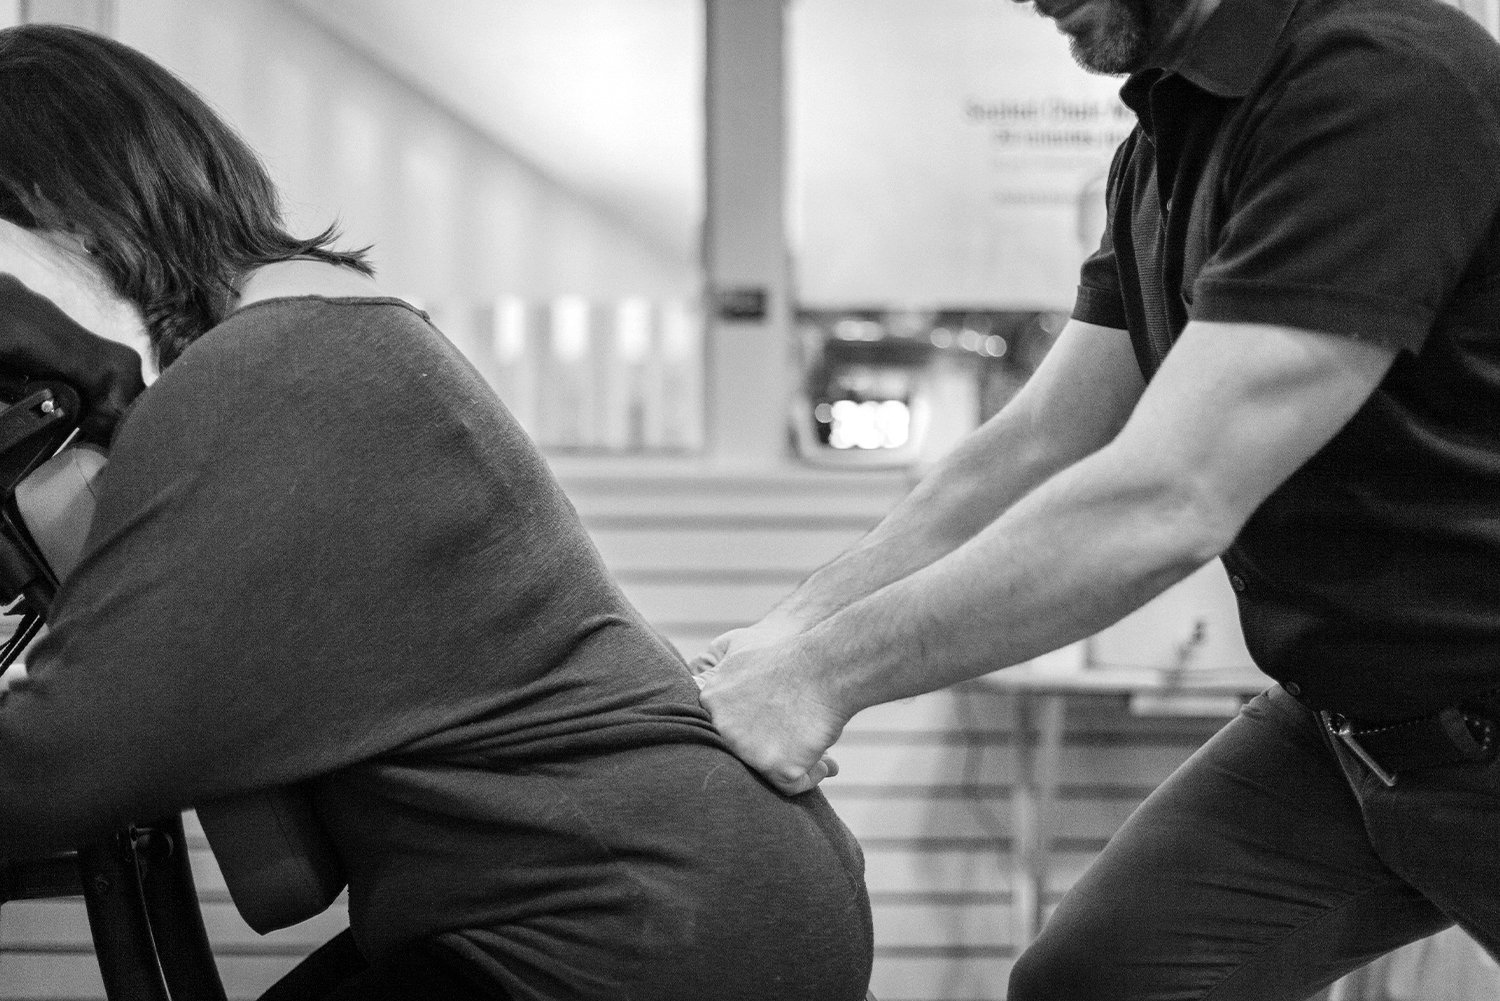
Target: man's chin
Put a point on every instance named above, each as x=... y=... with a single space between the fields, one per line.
x=1113 y=56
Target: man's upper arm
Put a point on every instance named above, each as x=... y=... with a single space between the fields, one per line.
x=1237 y=408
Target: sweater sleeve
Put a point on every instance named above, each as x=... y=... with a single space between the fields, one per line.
x=256 y=595
x=322 y=546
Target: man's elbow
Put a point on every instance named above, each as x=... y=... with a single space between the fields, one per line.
x=1200 y=521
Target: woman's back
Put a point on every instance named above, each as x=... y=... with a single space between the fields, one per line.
x=360 y=569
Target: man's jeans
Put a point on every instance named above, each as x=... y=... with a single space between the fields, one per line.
x=1272 y=863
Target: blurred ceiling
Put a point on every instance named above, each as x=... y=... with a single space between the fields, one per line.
x=605 y=96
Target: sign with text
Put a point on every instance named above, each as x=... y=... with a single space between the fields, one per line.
x=943 y=152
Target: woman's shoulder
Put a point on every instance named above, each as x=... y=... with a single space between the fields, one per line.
x=306 y=294
x=290 y=318
x=301 y=328
x=296 y=355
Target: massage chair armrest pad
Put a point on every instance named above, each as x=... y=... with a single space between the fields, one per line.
x=278 y=862
x=57 y=501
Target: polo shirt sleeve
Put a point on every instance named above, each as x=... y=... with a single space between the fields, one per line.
x=1098 y=299
x=1360 y=192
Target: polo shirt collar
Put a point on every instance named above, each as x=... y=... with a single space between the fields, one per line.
x=1226 y=56
x=1231 y=50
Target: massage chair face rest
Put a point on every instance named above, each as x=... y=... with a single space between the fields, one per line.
x=56 y=377
x=277 y=861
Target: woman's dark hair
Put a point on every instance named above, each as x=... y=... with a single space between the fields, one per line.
x=98 y=140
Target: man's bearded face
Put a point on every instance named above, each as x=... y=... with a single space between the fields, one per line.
x=1114 y=36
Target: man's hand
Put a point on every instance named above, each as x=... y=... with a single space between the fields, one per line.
x=774 y=627
x=767 y=702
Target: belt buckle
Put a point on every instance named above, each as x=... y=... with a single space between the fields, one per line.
x=1344 y=731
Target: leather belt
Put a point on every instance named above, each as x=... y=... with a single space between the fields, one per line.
x=1462 y=733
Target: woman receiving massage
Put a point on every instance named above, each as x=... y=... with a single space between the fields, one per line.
x=325 y=556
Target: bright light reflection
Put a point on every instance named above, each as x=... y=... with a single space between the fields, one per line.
x=633 y=329
x=570 y=328
x=869 y=425
x=680 y=332
x=510 y=329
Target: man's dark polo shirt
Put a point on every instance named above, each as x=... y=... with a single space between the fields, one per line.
x=1334 y=165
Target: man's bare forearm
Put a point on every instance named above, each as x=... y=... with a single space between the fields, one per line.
x=946 y=509
x=1074 y=405
x=1234 y=412
x=1073 y=556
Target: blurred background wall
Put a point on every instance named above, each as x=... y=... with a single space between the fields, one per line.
x=365 y=123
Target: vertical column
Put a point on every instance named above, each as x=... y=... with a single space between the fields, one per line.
x=748 y=302
x=96 y=15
